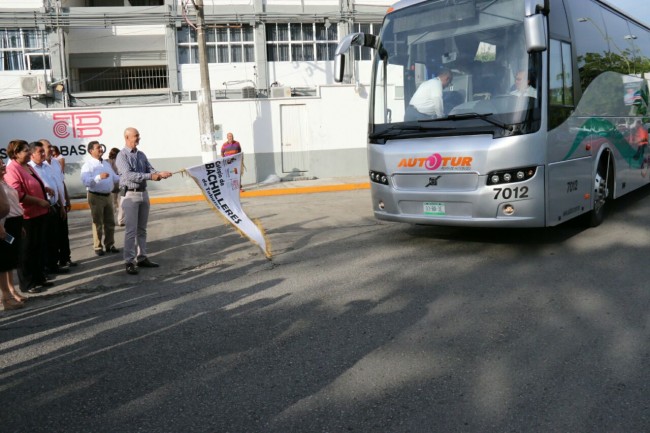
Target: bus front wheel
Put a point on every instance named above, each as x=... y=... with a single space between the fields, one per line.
x=601 y=191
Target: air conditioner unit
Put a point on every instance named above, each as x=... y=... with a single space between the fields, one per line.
x=248 y=92
x=280 y=92
x=34 y=85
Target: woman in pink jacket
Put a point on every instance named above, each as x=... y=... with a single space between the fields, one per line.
x=32 y=194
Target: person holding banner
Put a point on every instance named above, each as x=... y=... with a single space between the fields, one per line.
x=135 y=170
x=232 y=147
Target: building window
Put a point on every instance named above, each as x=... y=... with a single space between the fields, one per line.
x=228 y=43
x=112 y=79
x=147 y=2
x=23 y=50
x=104 y=3
x=301 y=42
x=365 y=53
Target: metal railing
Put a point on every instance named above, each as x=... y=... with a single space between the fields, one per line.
x=126 y=78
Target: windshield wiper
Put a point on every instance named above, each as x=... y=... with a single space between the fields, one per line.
x=486 y=117
x=394 y=131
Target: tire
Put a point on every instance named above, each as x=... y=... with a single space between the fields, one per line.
x=601 y=192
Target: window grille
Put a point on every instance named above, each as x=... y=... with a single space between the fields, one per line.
x=301 y=42
x=231 y=43
x=93 y=3
x=132 y=78
x=147 y=2
x=23 y=50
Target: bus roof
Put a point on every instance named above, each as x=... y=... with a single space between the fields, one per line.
x=401 y=4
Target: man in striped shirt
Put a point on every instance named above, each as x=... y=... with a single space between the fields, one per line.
x=230 y=147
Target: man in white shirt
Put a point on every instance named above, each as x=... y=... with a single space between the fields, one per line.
x=55 y=195
x=98 y=177
x=426 y=102
x=522 y=85
x=64 y=240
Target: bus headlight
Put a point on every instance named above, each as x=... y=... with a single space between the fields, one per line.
x=510 y=176
x=379 y=177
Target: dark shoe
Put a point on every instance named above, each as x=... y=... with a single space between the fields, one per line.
x=99 y=252
x=146 y=263
x=58 y=270
x=112 y=250
x=131 y=269
x=68 y=263
x=46 y=284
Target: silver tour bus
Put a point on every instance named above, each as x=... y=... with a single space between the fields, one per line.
x=508 y=113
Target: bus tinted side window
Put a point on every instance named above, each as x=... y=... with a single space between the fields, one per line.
x=590 y=39
x=641 y=40
x=560 y=88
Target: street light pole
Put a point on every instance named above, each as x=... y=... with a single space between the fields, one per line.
x=204 y=103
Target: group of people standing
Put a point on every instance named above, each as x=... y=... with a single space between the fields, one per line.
x=34 y=229
x=34 y=203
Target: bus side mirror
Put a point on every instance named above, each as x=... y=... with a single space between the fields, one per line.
x=353 y=39
x=535 y=33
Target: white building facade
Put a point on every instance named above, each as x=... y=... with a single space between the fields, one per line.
x=74 y=71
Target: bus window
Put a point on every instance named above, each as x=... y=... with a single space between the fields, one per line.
x=590 y=40
x=641 y=43
x=560 y=92
x=621 y=57
x=484 y=54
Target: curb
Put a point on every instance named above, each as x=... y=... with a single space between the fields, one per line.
x=260 y=193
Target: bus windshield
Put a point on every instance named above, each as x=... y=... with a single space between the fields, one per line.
x=455 y=67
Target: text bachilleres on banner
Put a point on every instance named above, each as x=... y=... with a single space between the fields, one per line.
x=219 y=181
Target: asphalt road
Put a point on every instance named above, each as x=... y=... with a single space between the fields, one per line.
x=355 y=325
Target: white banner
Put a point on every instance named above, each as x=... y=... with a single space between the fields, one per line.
x=220 y=182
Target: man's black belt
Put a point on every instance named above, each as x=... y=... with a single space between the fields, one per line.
x=103 y=194
x=134 y=189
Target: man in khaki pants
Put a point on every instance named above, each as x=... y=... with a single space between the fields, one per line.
x=99 y=179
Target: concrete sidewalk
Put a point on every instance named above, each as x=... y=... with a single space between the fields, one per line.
x=192 y=192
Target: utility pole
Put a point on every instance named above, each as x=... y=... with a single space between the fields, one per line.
x=62 y=57
x=206 y=119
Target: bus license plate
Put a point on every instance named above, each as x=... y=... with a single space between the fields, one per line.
x=434 y=208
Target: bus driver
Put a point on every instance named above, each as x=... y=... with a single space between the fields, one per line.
x=523 y=86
